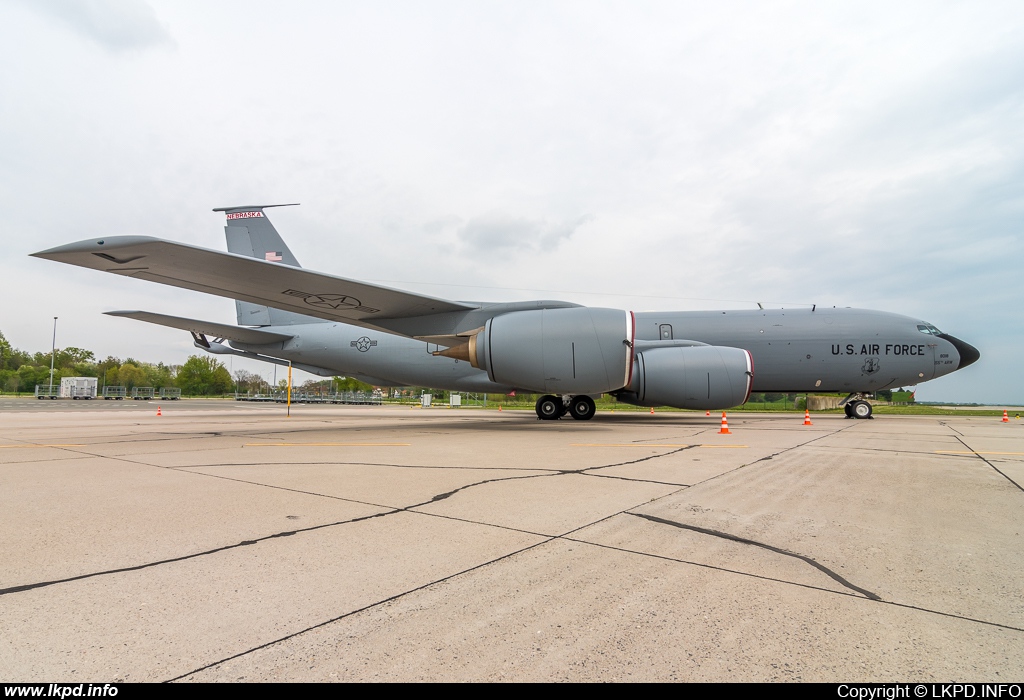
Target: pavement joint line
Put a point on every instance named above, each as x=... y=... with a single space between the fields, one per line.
x=703 y=565
x=359 y=610
x=388 y=510
x=35 y=446
x=950 y=427
x=771 y=548
x=327 y=444
x=545 y=540
x=773 y=455
x=639 y=481
x=1000 y=471
x=244 y=543
x=354 y=464
x=597 y=444
x=845 y=594
x=972 y=452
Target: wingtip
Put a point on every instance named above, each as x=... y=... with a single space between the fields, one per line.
x=92 y=245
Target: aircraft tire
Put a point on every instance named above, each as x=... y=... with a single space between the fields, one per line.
x=848 y=410
x=861 y=409
x=549 y=407
x=582 y=408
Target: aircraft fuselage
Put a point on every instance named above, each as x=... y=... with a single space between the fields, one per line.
x=793 y=350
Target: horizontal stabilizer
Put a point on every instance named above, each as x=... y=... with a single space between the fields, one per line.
x=249 y=279
x=251 y=336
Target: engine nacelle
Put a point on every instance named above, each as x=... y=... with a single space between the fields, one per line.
x=577 y=350
x=702 y=377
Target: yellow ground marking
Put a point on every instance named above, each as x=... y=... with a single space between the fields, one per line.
x=29 y=446
x=596 y=444
x=326 y=444
x=952 y=452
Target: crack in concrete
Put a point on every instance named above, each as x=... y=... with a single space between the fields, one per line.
x=944 y=424
x=137 y=567
x=546 y=539
x=808 y=586
x=392 y=510
x=771 y=548
x=357 y=611
x=983 y=459
x=772 y=455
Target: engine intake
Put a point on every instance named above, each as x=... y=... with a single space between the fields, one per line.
x=702 y=377
x=558 y=351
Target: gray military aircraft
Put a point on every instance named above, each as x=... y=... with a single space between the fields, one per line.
x=569 y=353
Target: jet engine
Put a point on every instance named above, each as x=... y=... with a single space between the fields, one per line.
x=701 y=377
x=577 y=350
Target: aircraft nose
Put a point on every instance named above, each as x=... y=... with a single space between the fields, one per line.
x=968 y=353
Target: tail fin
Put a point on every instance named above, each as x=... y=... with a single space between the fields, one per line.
x=249 y=232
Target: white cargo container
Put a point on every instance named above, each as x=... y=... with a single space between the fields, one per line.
x=78 y=387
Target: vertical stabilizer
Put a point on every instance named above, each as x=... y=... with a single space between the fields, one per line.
x=249 y=232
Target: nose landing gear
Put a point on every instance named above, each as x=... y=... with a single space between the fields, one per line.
x=858 y=408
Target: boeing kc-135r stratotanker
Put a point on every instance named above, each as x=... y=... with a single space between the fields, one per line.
x=568 y=353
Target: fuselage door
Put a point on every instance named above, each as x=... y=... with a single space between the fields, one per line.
x=934 y=355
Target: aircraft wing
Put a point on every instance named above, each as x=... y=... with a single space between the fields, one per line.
x=249 y=279
x=253 y=336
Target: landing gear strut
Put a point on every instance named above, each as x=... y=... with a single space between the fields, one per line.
x=858 y=408
x=554 y=407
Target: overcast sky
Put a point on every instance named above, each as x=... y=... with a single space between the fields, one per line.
x=635 y=155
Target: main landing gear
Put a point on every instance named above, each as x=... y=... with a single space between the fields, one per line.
x=858 y=407
x=554 y=407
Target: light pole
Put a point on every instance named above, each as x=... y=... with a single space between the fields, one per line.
x=53 y=352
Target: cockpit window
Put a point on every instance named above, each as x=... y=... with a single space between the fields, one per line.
x=929 y=329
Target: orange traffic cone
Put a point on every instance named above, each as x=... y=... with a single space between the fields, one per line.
x=707 y=413
x=1006 y=419
x=499 y=408
x=652 y=410
x=725 y=426
x=807 y=417
x=158 y=411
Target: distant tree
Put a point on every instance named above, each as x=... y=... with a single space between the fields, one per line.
x=9 y=380
x=31 y=375
x=350 y=384
x=11 y=358
x=159 y=375
x=203 y=376
x=250 y=382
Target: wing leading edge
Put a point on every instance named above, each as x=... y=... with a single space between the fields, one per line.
x=250 y=279
x=252 y=336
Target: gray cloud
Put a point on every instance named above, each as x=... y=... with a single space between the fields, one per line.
x=502 y=232
x=117 y=25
